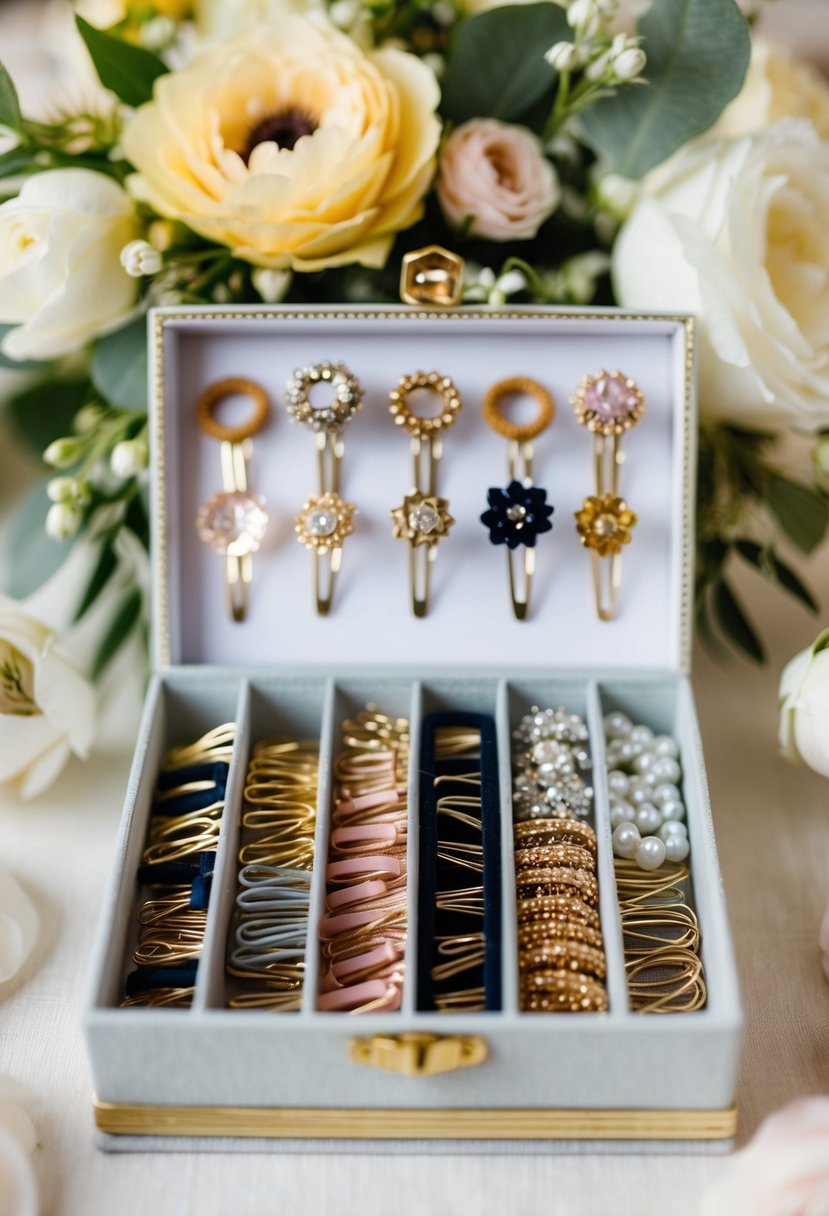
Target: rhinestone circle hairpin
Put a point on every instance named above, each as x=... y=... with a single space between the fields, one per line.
x=609 y=405
x=234 y=520
x=325 y=519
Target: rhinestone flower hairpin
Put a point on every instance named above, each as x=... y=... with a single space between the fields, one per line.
x=607 y=404
x=549 y=754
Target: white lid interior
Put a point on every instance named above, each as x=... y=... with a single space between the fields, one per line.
x=470 y=621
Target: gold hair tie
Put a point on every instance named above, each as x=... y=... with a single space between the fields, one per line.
x=608 y=405
x=233 y=521
x=423 y=518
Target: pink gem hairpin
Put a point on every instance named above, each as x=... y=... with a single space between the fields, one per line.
x=423 y=518
x=234 y=521
x=518 y=514
x=608 y=405
x=325 y=519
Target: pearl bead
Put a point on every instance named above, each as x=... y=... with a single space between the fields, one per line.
x=641 y=734
x=639 y=791
x=673 y=810
x=617 y=725
x=627 y=751
x=626 y=840
x=665 y=793
x=651 y=853
x=647 y=818
x=666 y=769
x=618 y=782
x=664 y=745
x=643 y=762
x=621 y=812
x=672 y=829
x=677 y=848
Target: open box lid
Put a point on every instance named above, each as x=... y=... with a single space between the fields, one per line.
x=470 y=622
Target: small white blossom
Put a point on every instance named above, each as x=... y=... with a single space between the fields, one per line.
x=272 y=285
x=62 y=521
x=630 y=63
x=481 y=285
x=129 y=457
x=344 y=12
x=436 y=62
x=443 y=13
x=584 y=16
x=157 y=33
x=87 y=418
x=73 y=491
x=63 y=452
x=162 y=234
x=616 y=195
x=140 y=258
x=563 y=56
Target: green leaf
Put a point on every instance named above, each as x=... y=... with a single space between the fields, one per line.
x=10 y=115
x=31 y=556
x=698 y=53
x=734 y=622
x=126 y=69
x=45 y=411
x=122 y=625
x=780 y=572
x=119 y=366
x=801 y=512
x=497 y=67
x=105 y=567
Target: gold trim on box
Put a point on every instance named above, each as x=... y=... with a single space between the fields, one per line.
x=304 y=1123
x=160 y=318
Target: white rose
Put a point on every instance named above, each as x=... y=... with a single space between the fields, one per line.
x=804 y=707
x=18 y=1187
x=47 y=708
x=61 y=280
x=778 y=85
x=784 y=1170
x=737 y=231
x=19 y=925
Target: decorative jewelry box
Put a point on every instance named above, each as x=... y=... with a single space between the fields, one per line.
x=408 y=1070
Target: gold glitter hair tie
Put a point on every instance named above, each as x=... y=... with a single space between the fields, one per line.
x=423 y=517
x=325 y=519
x=608 y=405
x=234 y=520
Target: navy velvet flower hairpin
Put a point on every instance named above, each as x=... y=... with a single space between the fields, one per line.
x=517 y=515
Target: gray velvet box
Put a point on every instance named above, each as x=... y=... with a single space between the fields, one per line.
x=211 y=1072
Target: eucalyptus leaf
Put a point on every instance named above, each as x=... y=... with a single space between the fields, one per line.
x=802 y=513
x=698 y=53
x=31 y=556
x=774 y=568
x=129 y=71
x=105 y=567
x=10 y=115
x=734 y=623
x=496 y=64
x=45 y=411
x=122 y=625
x=119 y=366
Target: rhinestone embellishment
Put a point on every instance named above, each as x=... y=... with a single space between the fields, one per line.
x=233 y=522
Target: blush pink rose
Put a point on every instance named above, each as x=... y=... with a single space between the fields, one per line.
x=496 y=176
x=784 y=1171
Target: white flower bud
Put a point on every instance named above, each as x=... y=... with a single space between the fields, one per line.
x=630 y=63
x=87 y=419
x=272 y=285
x=63 y=452
x=62 y=521
x=563 y=56
x=157 y=33
x=129 y=457
x=62 y=489
x=616 y=195
x=584 y=16
x=162 y=234
x=511 y=282
x=436 y=62
x=140 y=258
x=443 y=13
x=344 y=12
x=599 y=68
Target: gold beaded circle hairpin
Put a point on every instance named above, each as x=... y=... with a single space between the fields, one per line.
x=233 y=521
x=519 y=513
x=609 y=405
x=325 y=519
x=423 y=518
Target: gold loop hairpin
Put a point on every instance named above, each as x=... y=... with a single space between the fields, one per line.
x=233 y=521
x=423 y=518
x=518 y=514
x=609 y=405
x=325 y=519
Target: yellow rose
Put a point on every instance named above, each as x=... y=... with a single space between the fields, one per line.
x=290 y=145
x=777 y=85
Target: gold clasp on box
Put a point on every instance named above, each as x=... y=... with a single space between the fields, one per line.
x=418 y=1055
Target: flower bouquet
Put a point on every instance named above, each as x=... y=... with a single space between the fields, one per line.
x=275 y=150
